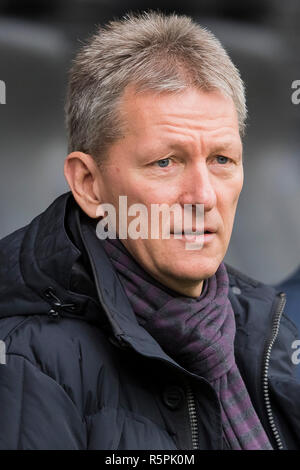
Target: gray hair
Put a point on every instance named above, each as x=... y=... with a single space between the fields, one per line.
x=152 y=51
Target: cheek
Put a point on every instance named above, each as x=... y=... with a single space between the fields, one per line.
x=232 y=192
x=227 y=207
x=239 y=183
x=146 y=192
x=115 y=184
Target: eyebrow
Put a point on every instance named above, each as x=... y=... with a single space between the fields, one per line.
x=215 y=146
x=234 y=145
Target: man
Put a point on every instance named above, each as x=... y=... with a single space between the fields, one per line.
x=138 y=342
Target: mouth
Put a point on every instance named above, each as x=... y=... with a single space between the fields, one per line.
x=195 y=238
x=192 y=232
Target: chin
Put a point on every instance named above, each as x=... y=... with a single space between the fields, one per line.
x=193 y=271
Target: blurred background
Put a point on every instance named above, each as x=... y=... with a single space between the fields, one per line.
x=37 y=42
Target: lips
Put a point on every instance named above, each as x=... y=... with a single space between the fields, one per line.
x=193 y=232
x=187 y=232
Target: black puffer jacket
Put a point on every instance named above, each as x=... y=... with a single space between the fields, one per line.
x=81 y=373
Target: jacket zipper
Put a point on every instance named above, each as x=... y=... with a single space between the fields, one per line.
x=266 y=364
x=191 y=400
x=193 y=417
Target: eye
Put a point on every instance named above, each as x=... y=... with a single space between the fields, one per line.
x=222 y=160
x=164 y=162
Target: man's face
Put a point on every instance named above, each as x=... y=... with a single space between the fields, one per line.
x=178 y=149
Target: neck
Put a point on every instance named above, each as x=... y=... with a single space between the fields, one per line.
x=182 y=287
x=174 y=286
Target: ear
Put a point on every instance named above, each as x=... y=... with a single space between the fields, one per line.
x=83 y=176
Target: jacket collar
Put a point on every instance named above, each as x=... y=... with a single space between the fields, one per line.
x=47 y=254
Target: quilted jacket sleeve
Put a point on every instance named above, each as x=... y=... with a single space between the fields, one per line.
x=36 y=412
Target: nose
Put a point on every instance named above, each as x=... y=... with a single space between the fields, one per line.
x=198 y=187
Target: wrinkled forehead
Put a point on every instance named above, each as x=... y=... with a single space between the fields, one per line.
x=181 y=116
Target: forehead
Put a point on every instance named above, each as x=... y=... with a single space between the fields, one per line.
x=185 y=114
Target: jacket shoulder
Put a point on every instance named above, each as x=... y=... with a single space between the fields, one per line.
x=72 y=352
x=247 y=293
x=237 y=277
x=9 y=254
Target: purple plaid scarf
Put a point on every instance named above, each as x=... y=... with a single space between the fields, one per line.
x=199 y=334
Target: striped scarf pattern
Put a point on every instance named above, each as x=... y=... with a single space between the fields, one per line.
x=199 y=334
